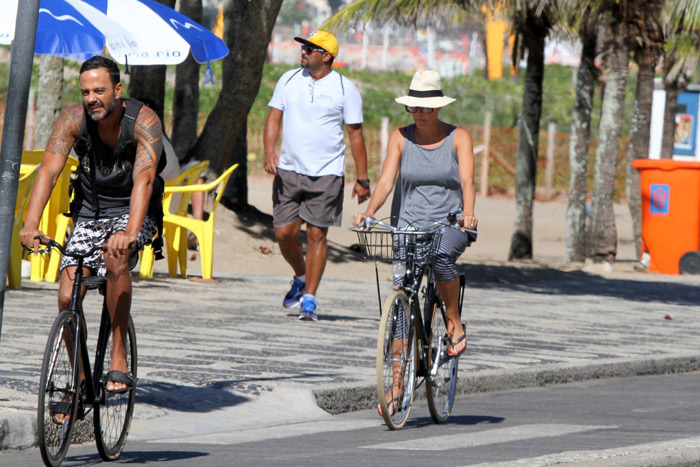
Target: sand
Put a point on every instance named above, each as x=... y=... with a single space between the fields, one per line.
x=245 y=244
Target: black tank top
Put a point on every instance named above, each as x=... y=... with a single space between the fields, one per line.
x=113 y=179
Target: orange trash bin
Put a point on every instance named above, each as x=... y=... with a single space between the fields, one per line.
x=671 y=214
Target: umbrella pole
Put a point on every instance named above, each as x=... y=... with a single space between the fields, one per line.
x=13 y=131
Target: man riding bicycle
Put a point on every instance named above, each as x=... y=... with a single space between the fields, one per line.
x=117 y=194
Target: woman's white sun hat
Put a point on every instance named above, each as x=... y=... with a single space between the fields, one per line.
x=425 y=91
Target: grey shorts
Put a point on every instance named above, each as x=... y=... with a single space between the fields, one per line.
x=89 y=233
x=316 y=200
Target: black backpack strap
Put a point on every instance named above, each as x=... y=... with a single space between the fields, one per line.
x=293 y=75
x=133 y=107
x=85 y=139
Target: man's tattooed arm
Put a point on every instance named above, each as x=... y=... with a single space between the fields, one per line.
x=66 y=131
x=149 y=141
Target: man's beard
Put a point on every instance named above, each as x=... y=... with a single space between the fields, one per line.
x=108 y=110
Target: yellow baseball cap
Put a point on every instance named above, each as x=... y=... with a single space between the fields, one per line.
x=322 y=39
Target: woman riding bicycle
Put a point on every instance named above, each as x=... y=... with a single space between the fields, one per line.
x=435 y=166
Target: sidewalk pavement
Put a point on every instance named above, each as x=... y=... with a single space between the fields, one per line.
x=224 y=355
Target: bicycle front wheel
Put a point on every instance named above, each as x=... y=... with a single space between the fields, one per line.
x=442 y=381
x=112 y=415
x=396 y=361
x=58 y=391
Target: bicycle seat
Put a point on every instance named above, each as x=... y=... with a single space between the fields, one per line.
x=93 y=282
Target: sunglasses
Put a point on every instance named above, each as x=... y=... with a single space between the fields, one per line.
x=310 y=50
x=425 y=110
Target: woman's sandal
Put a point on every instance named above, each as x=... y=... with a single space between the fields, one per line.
x=453 y=344
x=116 y=376
x=390 y=404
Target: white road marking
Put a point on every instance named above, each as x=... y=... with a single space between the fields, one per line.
x=276 y=432
x=481 y=438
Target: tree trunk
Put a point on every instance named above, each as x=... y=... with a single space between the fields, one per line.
x=646 y=58
x=672 y=89
x=247 y=30
x=186 y=94
x=236 y=193
x=48 y=102
x=578 y=147
x=526 y=156
x=603 y=233
x=149 y=80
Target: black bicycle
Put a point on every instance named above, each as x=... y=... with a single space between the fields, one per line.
x=411 y=343
x=68 y=389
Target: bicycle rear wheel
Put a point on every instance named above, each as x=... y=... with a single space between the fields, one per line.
x=112 y=415
x=58 y=391
x=441 y=383
x=396 y=361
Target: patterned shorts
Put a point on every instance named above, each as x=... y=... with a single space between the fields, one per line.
x=89 y=233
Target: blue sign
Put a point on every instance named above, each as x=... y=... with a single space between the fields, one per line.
x=659 y=199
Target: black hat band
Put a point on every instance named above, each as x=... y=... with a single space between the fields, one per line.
x=413 y=93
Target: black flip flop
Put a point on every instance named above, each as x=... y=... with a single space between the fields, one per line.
x=117 y=376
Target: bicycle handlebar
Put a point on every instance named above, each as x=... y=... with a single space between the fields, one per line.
x=50 y=244
x=369 y=222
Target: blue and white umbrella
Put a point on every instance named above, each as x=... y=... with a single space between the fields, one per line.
x=69 y=28
x=137 y=32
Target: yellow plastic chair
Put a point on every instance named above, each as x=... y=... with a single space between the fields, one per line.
x=52 y=223
x=188 y=177
x=176 y=227
x=24 y=187
x=55 y=222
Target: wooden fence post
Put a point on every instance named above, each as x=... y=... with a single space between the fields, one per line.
x=383 y=140
x=484 y=185
x=549 y=174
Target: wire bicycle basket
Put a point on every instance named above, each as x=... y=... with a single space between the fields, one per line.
x=387 y=246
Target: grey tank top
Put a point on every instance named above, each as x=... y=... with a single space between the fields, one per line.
x=428 y=186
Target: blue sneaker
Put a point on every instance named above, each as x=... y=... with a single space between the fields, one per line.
x=293 y=297
x=308 y=309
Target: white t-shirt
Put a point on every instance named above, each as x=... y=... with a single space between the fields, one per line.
x=172 y=165
x=312 y=121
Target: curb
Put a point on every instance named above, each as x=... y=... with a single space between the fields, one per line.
x=19 y=431
x=337 y=401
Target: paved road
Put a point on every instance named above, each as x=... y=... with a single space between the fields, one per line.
x=222 y=356
x=647 y=421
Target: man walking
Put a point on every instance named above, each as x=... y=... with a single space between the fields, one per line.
x=312 y=103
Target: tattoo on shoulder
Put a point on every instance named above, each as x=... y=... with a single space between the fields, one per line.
x=66 y=130
x=149 y=136
x=148 y=127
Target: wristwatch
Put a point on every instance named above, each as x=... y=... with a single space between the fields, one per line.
x=364 y=182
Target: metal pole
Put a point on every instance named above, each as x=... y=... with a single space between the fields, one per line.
x=13 y=131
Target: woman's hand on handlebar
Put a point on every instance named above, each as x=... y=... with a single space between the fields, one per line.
x=358 y=219
x=469 y=222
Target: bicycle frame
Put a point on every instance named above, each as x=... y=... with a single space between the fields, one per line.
x=90 y=395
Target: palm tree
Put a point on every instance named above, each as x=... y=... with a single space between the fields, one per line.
x=647 y=39
x=602 y=229
x=532 y=30
x=587 y=76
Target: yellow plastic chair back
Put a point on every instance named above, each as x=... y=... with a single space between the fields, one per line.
x=187 y=177
x=55 y=222
x=176 y=227
x=24 y=188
